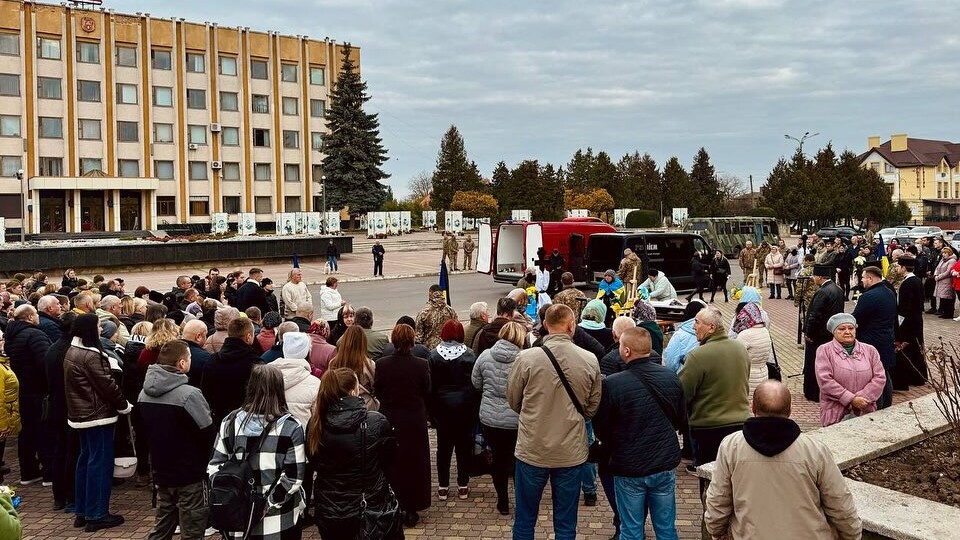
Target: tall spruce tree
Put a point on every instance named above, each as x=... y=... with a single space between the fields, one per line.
x=709 y=199
x=651 y=184
x=353 y=147
x=454 y=171
x=502 y=188
x=578 y=170
x=678 y=190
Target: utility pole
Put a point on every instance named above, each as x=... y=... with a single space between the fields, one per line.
x=753 y=200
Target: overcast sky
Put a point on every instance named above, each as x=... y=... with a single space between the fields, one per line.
x=537 y=80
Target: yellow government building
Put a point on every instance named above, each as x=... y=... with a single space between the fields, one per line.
x=128 y=121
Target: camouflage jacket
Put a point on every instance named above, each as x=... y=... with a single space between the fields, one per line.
x=431 y=319
x=747 y=258
x=570 y=298
x=468 y=246
x=627 y=266
x=805 y=288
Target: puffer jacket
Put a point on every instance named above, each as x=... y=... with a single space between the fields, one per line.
x=344 y=468
x=683 y=341
x=944 y=278
x=640 y=435
x=759 y=348
x=490 y=375
x=9 y=400
x=299 y=387
x=93 y=397
x=26 y=346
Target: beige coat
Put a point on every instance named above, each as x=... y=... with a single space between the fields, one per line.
x=552 y=433
x=772 y=262
x=759 y=348
x=798 y=494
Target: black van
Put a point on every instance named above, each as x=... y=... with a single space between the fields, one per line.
x=668 y=252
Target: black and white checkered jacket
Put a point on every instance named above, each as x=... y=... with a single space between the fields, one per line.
x=282 y=454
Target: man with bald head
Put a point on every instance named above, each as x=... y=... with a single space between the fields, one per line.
x=772 y=481
x=195 y=335
x=612 y=362
x=552 y=437
x=641 y=410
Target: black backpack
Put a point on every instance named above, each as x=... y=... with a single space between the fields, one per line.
x=236 y=503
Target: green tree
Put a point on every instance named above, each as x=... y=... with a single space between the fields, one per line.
x=709 y=198
x=504 y=190
x=454 y=171
x=650 y=188
x=603 y=174
x=353 y=148
x=547 y=200
x=678 y=191
x=578 y=170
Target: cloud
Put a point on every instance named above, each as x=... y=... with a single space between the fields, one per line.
x=539 y=80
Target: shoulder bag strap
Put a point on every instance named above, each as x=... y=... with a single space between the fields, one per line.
x=363 y=467
x=664 y=406
x=563 y=379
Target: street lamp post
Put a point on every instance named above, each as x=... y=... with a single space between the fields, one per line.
x=805 y=136
x=23 y=207
x=323 y=190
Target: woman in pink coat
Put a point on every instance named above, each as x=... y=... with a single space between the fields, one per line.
x=320 y=350
x=849 y=373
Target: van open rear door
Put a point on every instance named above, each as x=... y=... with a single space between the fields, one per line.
x=533 y=241
x=485 y=249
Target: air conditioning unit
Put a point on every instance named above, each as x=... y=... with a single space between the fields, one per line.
x=215 y=128
x=192 y=146
x=216 y=165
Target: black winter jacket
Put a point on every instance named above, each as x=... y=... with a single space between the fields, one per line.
x=876 y=314
x=225 y=377
x=26 y=346
x=50 y=327
x=53 y=363
x=251 y=294
x=641 y=439
x=345 y=468
x=452 y=395
x=826 y=302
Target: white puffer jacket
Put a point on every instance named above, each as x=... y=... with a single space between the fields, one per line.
x=760 y=348
x=300 y=387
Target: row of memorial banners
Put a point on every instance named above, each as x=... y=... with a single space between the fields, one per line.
x=287 y=223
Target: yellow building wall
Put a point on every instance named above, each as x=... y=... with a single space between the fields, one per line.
x=10 y=15
x=259 y=45
x=318 y=52
x=195 y=36
x=227 y=40
x=161 y=33
x=126 y=30
x=49 y=19
x=289 y=49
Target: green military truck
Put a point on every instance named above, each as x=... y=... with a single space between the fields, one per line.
x=730 y=234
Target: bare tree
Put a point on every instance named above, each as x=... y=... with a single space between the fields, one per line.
x=420 y=186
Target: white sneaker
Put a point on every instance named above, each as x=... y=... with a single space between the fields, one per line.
x=957 y=319
x=209 y=532
x=177 y=530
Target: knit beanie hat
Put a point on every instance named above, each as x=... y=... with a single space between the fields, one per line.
x=296 y=345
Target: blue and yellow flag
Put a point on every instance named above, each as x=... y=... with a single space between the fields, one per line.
x=882 y=255
x=444 y=281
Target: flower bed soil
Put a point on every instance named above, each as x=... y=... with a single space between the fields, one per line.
x=929 y=469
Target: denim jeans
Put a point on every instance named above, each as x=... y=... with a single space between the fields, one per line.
x=528 y=484
x=95 y=472
x=589 y=481
x=332 y=261
x=654 y=494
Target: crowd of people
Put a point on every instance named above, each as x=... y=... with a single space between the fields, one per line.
x=330 y=417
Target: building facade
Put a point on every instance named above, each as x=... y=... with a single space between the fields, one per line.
x=924 y=173
x=124 y=122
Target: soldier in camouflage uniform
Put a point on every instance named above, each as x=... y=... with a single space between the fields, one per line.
x=895 y=275
x=805 y=287
x=453 y=250
x=628 y=265
x=570 y=296
x=762 y=253
x=748 y=256
x=468 y=247
x=432 y=317
x=445 y=246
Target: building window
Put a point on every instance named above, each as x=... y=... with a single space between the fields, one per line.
x=197 y=134
x=127 y=93
x=263 y=205
x=162 y=96
x=127 y=56
x=9 y=165
x=9 y=126
x=128 y=131
x=196 y=99
x=198 y=170
x=231 y=204
x=317 y=108
x=290 y=106
x=258 y=69
x=228 y=101
x=163 y=169
x=10 y=44
x=291 y=204
x=160 y=59
x=318 y=175
x=230 y=171
x=291 y=139
x=261 y=137
x=888 y=168
x=48 y=88
x=199 y=206
x=316 y=140
x=163 y=133
x=88 y=53
x=166 y=206
x=291 y=172
x=230 y=136
x=51 y=127
x=288 y=72
x=228 y=65
x=128 y=168
x=89 y=129
x=90 y=164
x=9 y=84
x=48 y=48
x=261 y=171
x=317 y=76
x=196 y=63
x=88 y=90
x=51 y=166
x=260 y=104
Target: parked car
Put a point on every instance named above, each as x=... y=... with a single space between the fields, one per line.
x=892 y=232
x=829 y=233
x=920 y=232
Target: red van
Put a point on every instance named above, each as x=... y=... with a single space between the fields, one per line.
x=508 y=254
